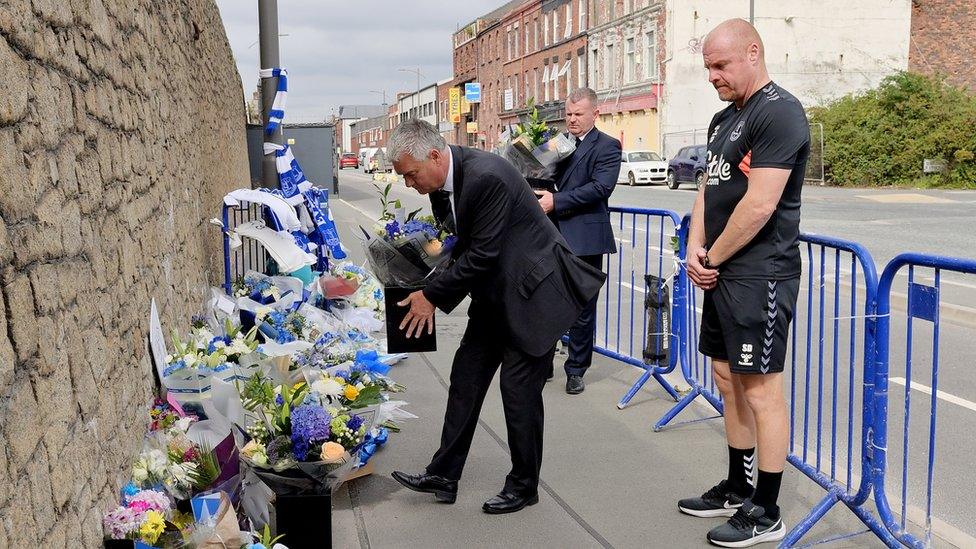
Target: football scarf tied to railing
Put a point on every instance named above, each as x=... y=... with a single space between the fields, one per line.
x=297 y=209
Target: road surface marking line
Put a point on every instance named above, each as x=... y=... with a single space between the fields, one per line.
x=941 y=394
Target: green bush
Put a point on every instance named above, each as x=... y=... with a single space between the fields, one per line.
x=881 y=137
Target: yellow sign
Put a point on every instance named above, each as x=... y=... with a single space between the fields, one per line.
x=465 y=105
x=472 y=127
x=454 y=99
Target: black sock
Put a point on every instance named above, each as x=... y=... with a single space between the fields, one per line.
x=767 y=491
x=742 y=470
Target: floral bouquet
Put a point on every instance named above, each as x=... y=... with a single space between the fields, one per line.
x=173 y=462
x=369 y=292
x=266 y=289
x=406 y=248
x=535 y=149
x=194 y=361
x=145 y=516
x=298 y=446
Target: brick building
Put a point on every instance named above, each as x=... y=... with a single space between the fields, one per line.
x=943 y=40
x=545 y=54
x=625 y=53
x=369 y=133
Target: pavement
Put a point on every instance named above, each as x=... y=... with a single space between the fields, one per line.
x=608 y=480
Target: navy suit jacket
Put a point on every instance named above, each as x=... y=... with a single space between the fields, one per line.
x=584 y=182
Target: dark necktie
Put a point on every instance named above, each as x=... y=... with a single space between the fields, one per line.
x=440 y=204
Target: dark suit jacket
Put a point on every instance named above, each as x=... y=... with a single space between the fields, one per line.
x=584 y=182
x=509 y=257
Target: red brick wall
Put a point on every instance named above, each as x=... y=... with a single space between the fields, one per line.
x=943 y=40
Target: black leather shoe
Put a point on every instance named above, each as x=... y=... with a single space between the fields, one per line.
x=507 y=502
x=443 y=489
x=574 y=385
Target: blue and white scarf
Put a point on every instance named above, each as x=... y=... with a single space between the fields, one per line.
x=291 y=178
x=277 y=113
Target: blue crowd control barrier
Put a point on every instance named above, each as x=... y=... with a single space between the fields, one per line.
x=643 y=248
x=923 y=304
x=831 y=378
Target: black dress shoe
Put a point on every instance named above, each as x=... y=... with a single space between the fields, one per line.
x=574 y=385
x=443 y=489
x=507 y=502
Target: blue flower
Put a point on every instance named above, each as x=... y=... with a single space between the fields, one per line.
x=173 y=368
x=354 y=423
x=128 y=491
x=448 y=243
x=344 y=374
x=221 y=367
x=309 y=424
x=279 y=400
x=415 y=226
x=392 y=229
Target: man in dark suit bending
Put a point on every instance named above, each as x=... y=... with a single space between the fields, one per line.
x=526 y=289
x=584 y=182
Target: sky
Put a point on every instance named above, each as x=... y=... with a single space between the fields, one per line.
x=338 y=52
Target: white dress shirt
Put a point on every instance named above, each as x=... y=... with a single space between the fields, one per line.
x=449 y=184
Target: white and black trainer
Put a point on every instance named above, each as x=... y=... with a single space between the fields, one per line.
x=747 y=527
x=718 y=501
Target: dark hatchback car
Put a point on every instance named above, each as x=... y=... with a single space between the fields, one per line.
x=688 y=166
x=349 y=160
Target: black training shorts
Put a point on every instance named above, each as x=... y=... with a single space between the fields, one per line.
x=747 y=323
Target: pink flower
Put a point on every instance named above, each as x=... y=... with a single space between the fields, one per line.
x=147 y=500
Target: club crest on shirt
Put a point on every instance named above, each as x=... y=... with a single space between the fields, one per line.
x=737 y=131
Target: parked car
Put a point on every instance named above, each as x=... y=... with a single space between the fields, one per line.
x=638 y=167
x=688 y=166
x=348 y=160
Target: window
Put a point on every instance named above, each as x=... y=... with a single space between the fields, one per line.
x=508 y=43
x=555 y=26
x=526 y=33
x=545 y=82
x=545 y=30
x=569 y=77
x=580 y=71
x=650 y=54
x=569 y=21
x=582 y=15
x=535 y=85
x=528 y=92
x=609 y=69
x=594 y=59
x=556 y=73
x=630 y=68
x=613 y=10
x=515 y=41
x=538 y=33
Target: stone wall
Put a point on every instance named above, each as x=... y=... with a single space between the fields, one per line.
x=943 y=38
x=121 y=126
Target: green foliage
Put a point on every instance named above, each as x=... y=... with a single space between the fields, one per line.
x=535 y=129
x=265 y=539
x=881 y=137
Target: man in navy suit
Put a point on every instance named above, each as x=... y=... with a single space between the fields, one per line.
x=584 y=182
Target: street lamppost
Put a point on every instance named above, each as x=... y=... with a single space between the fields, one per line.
x=268 y=37
x=416 y=71
x=383 y=92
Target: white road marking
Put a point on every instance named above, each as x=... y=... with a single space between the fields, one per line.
x=940 y=394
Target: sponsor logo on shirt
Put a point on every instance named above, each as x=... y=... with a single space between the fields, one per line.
x=719 y=169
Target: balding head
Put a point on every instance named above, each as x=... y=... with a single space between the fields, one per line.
x=734 y=56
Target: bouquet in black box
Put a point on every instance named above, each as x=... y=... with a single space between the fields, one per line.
x=535 y=148
x=404 y=253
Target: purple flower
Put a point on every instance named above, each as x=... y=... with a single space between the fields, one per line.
x=309 y=424
x=448 y=243
x=279 y=400
x=278 y=449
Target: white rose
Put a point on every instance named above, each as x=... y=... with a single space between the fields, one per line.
x=189 y=359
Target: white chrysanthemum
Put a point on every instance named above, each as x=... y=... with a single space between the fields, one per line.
x=328 y=387
x=189 y=359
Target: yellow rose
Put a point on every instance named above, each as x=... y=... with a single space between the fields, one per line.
x=333 y=452
x=351 y=392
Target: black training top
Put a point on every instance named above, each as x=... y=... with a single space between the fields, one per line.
x=770 y=131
